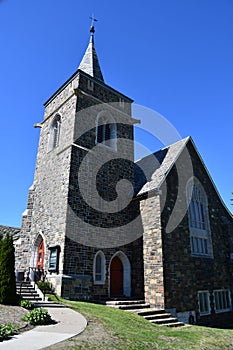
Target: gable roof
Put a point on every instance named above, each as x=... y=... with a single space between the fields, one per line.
x=156 y=166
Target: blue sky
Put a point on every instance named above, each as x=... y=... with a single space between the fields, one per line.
x=173 y=56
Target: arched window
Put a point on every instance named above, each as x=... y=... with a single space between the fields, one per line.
x=99 y=268
x=106 y=131
x=200 y=235
x=54 y=133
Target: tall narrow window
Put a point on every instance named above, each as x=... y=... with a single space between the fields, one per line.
x=99 y=268
x=54 y=258
x=200 y=235
x=54 y=133
x=106 y=132
x=204 y=302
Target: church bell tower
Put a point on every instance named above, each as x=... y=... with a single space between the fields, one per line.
x=85 y=153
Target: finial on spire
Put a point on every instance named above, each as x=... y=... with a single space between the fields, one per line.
x=93 y=20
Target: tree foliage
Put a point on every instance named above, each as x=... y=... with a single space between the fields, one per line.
x=7 y=271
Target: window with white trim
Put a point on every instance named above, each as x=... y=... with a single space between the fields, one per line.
x=54 y=133
x=106 y=130
x=204 y=302
x=200 y=235
x=222 y=300
x=99 y=268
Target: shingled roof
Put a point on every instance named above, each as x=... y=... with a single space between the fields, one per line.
x=90 y=62
x=156 y=166
x=8 y=229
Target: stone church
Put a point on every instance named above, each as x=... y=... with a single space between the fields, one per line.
x=100 y=226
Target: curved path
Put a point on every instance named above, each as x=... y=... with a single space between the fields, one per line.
x=69 y=323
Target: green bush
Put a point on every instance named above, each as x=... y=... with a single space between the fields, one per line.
x=27 y=304
x=45 y=286
x=7 y=331
x=7 y=271
x=38 y=317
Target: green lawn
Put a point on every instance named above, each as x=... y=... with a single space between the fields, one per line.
x=124 y=330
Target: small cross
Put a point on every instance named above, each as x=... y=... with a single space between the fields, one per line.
x=93 y=19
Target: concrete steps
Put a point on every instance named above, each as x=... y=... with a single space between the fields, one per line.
x=128 y=304
x=153 y=315
x=27 y=291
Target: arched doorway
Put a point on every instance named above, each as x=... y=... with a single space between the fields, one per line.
x=40 y=257
x=120 y=276
x=116 y=281
x=36 y=267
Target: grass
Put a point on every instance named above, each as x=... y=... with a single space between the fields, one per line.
x=121 y=330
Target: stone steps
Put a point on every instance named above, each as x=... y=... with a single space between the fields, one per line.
x=156 y=316
x=132 y=308
x=27 y=291
x=151 y=311
x=174 y=324
x=153 y=315
x=165 y=320
x=124 y=302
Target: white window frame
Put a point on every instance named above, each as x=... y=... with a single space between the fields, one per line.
x=222 y=297
x=54 y=133
x=204 y=298
x=102 y=273
x=104 y=118
x=200 y=234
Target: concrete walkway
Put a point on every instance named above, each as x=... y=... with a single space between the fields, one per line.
x=69 y=323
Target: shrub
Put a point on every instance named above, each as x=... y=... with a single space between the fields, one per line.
x=45 y=286
x=7 y=330
x=38 y=317
x=27 y=304
x=7 y=271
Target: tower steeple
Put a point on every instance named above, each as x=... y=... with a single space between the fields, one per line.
x=90 y=62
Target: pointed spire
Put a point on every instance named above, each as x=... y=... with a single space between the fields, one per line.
x=90 y=62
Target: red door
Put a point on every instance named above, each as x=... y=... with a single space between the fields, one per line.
x=40 y=256
x=116 y=277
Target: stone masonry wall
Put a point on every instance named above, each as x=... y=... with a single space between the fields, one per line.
x=152 y=251
x=90 y=227
x=15 y=233
x=184 y=274
x=22 y=245
x=47 y=204
x=54 y=205
x=79 y=282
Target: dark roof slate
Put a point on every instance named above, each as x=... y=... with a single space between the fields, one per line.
x=156 y=166
x=90 y=63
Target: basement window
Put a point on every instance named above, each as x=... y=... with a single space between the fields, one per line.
x=222 y=301
x=204 y=302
